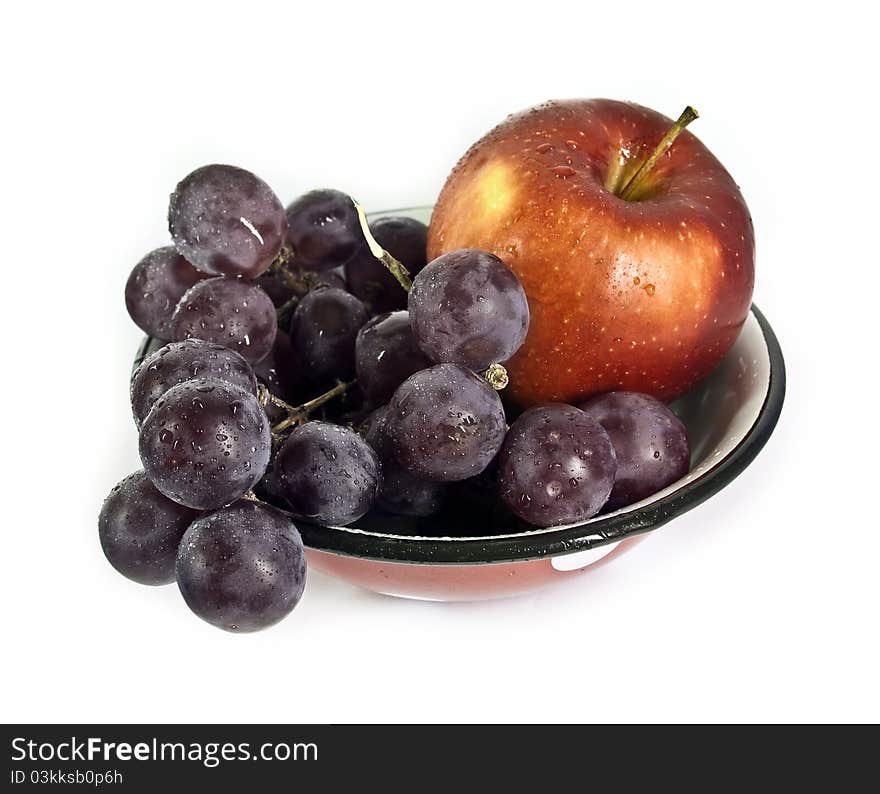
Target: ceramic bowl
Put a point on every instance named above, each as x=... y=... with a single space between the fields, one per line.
x=463 y=556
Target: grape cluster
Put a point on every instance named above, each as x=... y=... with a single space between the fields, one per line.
x=318 y=369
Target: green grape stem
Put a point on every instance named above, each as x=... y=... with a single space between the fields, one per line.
x=282 y=260
x=395 y=267
x=298 y=414
x=496 y=376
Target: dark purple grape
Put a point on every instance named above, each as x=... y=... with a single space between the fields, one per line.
x=242 y=568
x=467 y=307
x=400 y=492
x=369 y=431
x=324 y=229
x=155 y=286
x=405 y=495
x=386 y=355
x=178 y=362
x=279 y=371
x=140 y=530
x=205 y=443
x=267 y=490
x=230 y=312
x=323 y=331
x=445 y=423
x=650 y=441
x=328 y=474
x=406 y=240
x=557 y=466
x=226 y=221
x=283 y=285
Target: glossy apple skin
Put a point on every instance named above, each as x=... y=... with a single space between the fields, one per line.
x=641 y=295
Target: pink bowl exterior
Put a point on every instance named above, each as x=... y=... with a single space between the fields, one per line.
x=452 y=582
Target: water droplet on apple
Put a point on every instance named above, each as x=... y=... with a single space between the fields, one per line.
x=563 y=171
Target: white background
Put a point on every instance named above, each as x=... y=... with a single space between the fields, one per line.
x=759 y=605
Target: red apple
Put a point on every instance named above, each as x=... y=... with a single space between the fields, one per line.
x=645 y=293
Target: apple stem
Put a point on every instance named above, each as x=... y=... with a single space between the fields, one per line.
x=395 y=267
x=300 y=413
x=631 y=188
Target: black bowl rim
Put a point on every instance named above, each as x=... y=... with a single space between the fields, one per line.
x=550 y=542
